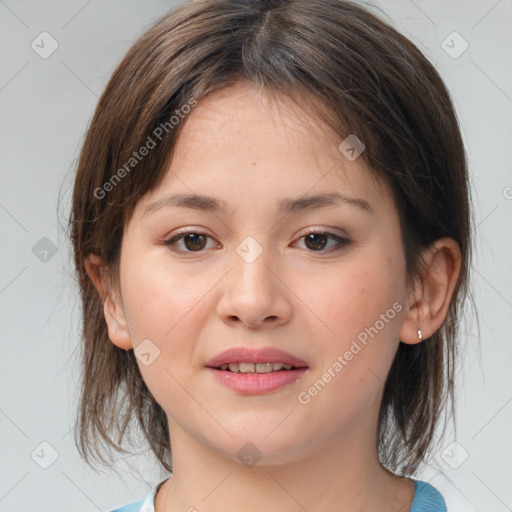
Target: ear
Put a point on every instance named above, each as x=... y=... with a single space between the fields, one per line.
x=112 y=306
x=430 y=298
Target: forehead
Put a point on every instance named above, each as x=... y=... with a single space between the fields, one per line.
x=244 y=111
x=247 y=146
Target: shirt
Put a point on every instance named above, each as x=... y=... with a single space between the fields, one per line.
x=426 y=499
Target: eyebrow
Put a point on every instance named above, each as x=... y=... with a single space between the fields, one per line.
x=212 y=204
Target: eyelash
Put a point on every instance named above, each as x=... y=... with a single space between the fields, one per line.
x=340 y=241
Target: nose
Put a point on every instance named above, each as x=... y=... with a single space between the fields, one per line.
x=255 y=293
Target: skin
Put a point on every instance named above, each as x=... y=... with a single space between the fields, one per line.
x=307 y=299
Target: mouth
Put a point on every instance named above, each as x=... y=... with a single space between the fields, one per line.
x=246 y=367
x=252 y=360
x=249 y=371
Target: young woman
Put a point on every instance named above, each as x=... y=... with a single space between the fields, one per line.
x=270 y=225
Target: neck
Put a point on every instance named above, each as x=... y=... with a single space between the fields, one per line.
x=343 y=475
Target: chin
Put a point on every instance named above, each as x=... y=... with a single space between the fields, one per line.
x=259 y=450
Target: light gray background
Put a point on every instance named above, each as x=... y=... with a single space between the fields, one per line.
x=46 y=105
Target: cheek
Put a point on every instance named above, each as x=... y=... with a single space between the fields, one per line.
x=360 y=311
x=168 y=311
x=355 y=360
x=353 y=298
x=158 y=300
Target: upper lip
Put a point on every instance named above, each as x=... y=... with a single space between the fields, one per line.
x=252 y=355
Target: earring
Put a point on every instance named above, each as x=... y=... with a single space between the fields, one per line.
x=420 y=336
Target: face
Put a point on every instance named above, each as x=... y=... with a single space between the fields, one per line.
x=323 y=282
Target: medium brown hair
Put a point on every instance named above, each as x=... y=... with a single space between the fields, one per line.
x=364 y=78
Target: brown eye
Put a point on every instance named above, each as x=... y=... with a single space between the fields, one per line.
x=316 y=241
x=192 y=241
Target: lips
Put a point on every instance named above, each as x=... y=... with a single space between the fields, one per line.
x=246 y=381
x=252 y=355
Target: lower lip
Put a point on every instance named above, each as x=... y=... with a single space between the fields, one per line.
x=257 y=383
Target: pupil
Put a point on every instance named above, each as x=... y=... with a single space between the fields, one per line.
x=193 y=238
x=314 y=238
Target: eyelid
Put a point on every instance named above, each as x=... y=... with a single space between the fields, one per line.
x=177 y=235
x=342 y=240
x=321 y=230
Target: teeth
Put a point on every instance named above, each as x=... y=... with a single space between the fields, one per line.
x=263 y=368
x=255 y=367
x=245 y=367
